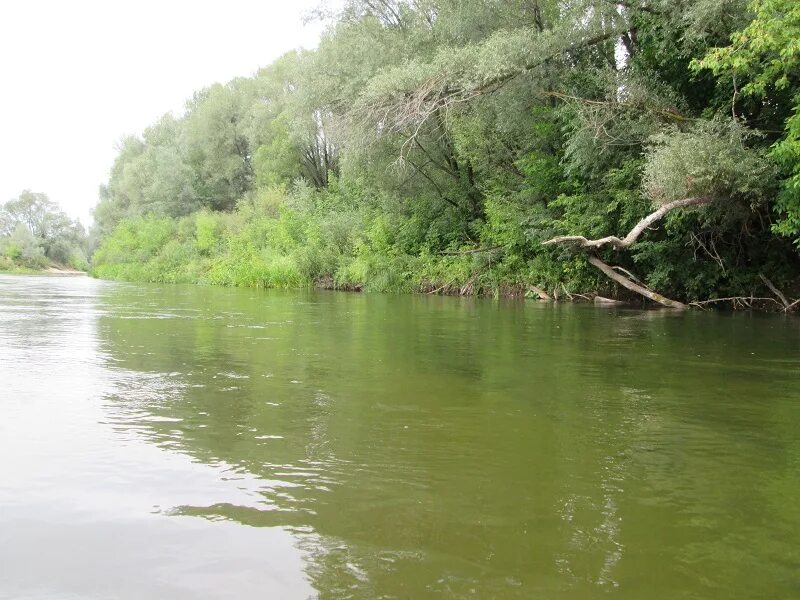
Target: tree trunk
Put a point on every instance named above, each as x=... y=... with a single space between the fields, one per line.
x=627 y=242
x=634 y=287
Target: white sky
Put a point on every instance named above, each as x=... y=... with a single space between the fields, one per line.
x=78 y=75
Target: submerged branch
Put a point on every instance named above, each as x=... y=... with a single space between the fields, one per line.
x=792 y=306
x=746 y=300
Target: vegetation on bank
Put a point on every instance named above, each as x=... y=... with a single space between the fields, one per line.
x=35 y=235
x=304 y=237
x=485 y=146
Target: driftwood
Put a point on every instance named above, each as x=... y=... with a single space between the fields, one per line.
x=747 y=301
x=606 y=301
x=540 y=292
x=776 y=291
x=573 y=295
x=627 y=242
x=793 y=305
x=633 y=286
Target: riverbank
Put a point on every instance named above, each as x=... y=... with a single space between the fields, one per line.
x=454 y=289
x=13 y=269
x=296 y=242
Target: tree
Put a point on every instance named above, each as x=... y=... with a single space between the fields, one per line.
x=475 y=146
x=33 y=228
x=707 y=168
x=763 y=62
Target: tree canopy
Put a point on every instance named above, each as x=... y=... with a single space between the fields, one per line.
x=436 y=144
x=34 y=232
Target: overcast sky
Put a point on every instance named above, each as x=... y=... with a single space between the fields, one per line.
x=78 y=75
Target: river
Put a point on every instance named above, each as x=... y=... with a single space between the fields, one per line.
x=196 y=442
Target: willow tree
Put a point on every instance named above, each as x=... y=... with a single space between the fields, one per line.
x=708 y=168
x=482 y=145
x=592 y=62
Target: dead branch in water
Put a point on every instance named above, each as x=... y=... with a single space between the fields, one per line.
x=606 y=301
x=439 y=289
x=746 y=300
x=633 y=286
x=540 y=292
x=626 y=242
x=775 y=291
x=573 y=295
x=792 y=306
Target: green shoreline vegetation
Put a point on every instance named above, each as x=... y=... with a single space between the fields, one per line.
x=36 y=236
x=485 y=147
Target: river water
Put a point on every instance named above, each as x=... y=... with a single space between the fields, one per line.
x=192 y=442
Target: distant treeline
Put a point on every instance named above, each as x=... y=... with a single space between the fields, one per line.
x=437 y=144
x=35 y=233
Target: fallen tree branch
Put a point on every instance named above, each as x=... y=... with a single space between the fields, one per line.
x=627 y=273
x=606 y=301
x=792 y=306
x=626 y=242
x=634 y=287
x=469 y=287
x=573 y=295
x=439 y=289
x=540 y=292
x=745 y=299
x=634 y=233
x=775 y=291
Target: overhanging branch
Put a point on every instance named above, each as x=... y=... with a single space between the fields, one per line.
x=634 y=233
x=626 y=242
x=402 y=109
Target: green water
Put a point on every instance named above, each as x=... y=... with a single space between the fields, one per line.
x=190 y=442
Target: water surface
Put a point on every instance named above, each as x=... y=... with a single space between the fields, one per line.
x=190 y=442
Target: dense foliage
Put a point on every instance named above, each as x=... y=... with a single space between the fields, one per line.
x=436 y=144
x=35 y=233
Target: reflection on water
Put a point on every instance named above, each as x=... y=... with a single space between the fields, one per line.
x=170 y=441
